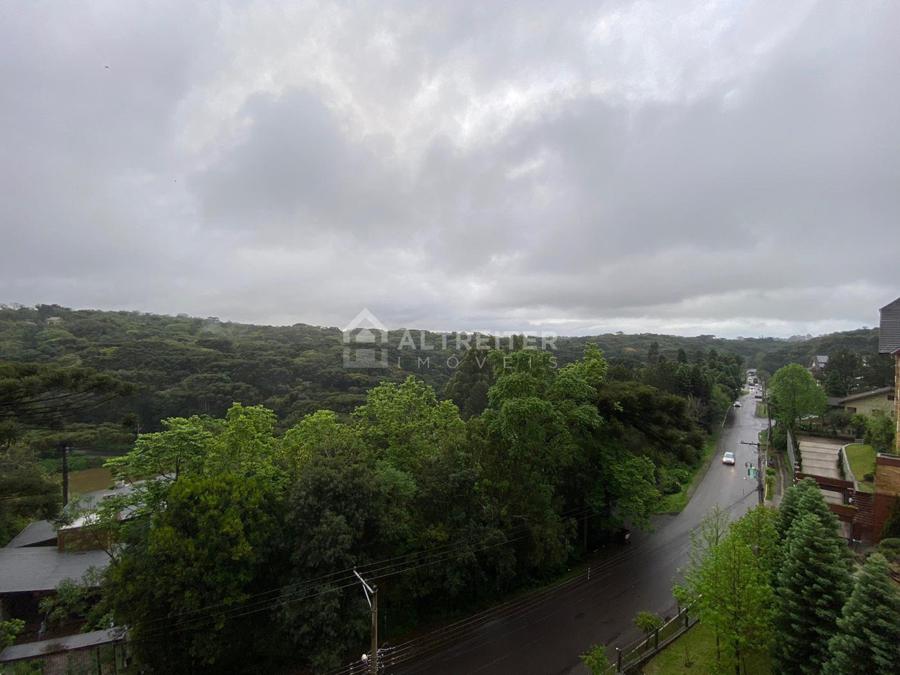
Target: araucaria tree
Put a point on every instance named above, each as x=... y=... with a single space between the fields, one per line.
x=868 y=637
x=813 y=584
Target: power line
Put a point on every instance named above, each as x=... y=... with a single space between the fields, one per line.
x=383 y=568
x=446 y=635
x=299 y=592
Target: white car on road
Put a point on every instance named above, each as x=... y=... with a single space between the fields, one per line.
x=728 y=458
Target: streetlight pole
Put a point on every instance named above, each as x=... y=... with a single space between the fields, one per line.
x=371 y=593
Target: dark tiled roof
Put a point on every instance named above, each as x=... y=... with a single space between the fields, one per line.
x=39 y=532
x=30 y=650
x=41 y=568
x=881 y=391
x=889 y=330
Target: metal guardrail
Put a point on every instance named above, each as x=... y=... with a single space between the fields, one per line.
x=630 y=658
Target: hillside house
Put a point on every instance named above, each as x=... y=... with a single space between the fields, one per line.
x=866 y=402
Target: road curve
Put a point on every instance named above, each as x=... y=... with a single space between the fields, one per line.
x=546 y=636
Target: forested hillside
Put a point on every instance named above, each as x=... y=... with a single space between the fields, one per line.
x=183 y=365
x=517 y=461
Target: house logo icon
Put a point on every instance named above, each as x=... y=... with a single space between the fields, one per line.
x=365 y=341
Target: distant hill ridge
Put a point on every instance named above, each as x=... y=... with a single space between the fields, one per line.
x=183 y=363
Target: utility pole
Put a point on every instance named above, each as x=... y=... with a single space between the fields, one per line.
x=760 y=485
x=371 y=593
x=64 y=449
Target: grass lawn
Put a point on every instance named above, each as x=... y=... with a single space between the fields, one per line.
x=674 y=503
x=697 y=647
x=862 y=461
x=760 y=409
x=89 y=480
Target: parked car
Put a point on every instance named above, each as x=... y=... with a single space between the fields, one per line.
x=728 y=458
x=737 y=404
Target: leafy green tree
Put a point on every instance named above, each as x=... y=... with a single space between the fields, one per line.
x=468 y=387
x=406 y=422
x=794 y=394
x=181 y=576
x=318 y=433
x=27 y=491
x=595 y=660
x=344 y=512
x=730 y=582
x=182 y=447
x=246 y=444
x=758 y=529
x=868 y=637
x=9 y=630
x=699 y=573
x=880 y=431
x=859 y=424
x=813 y=584
x=78 y=601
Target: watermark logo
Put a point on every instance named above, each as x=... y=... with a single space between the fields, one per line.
x=365 y=341
x=367 y=345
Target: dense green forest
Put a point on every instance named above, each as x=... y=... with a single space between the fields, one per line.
x=446 y=514
x=272 y=465
x=184 y=366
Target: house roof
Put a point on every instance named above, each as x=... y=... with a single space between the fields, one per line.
x=35 y=533
x=889 y=329
x=881 y=391
x=31 y=650
x=41 y=568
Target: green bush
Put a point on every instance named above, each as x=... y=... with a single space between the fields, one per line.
x=667 y=483
x=595 y=660
x=648 y=622
x=890 y=548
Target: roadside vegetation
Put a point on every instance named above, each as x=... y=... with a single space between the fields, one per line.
x=695 y=652
x=675 y=502
x=778 y=591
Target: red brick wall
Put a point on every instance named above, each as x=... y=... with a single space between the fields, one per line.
x=887 y=489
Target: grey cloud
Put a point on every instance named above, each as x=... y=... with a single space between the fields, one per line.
x=699 y=166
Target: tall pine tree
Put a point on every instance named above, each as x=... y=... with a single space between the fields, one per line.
x=813 y=584
x=868 y=638
x=790 y=505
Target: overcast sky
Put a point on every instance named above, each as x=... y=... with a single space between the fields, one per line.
x=582 y=167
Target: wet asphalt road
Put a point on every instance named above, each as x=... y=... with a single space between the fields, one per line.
x=546 y=637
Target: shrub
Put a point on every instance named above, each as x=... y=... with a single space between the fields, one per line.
x=595 y=660
x=668 y=484
x=648 y=622
x=890 y=548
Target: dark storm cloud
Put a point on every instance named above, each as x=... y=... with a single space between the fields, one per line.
x=690 y=167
